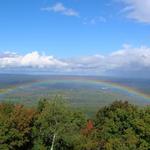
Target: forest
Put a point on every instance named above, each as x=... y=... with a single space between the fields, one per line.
x=56 y=125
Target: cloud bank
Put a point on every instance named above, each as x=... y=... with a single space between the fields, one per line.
x=138 y=10
x=126 y=61
x=31 y=60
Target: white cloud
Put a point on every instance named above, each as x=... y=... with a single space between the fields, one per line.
x=94 y=20
x=127 y=60
x=86 y=64
x=60 y=8
x=33 y=60
x=137 y=9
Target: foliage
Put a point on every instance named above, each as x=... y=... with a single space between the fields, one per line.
x=15 y=126
x=55 y=125
x=59 y=120
x=123 y=126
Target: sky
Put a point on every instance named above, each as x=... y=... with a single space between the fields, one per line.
x=99 y=37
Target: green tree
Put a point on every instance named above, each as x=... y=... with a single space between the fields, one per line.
x=122 y=126
x=58 y=126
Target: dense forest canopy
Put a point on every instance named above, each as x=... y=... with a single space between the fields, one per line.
x=56 y=125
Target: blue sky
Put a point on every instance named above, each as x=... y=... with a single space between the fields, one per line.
x=26 y=27
x=73 y=28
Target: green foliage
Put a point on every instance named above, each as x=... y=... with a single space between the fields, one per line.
x=58 y=119
x=55 y=125
x=123 y=126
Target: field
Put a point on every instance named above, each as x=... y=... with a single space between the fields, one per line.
x=81 y=91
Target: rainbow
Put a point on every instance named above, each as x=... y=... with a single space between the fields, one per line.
x=81 y=79
x=107 y=83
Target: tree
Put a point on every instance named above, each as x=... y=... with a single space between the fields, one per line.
x=15 y=126
x=58 y=126
x=123 y=126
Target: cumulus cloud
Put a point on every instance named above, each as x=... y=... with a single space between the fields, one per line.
x=128 y=60
x=31 y=60
x=60 y=8
x=137 y=9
